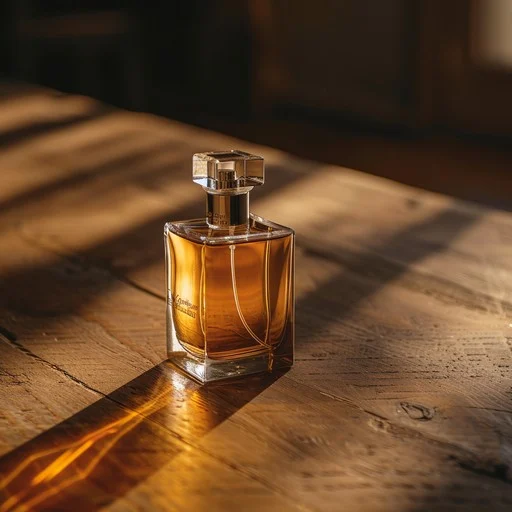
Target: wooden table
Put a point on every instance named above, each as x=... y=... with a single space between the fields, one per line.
x=400 y=398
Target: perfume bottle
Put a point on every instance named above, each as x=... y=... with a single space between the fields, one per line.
x=230 y=278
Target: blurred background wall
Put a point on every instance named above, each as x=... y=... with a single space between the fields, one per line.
x=393 y=62
x=320 y=78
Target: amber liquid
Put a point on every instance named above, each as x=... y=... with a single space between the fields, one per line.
x=233 y=300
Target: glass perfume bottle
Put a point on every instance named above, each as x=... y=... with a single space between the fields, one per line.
x=230 y=278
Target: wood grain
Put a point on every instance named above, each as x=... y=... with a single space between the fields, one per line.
x=400 y=398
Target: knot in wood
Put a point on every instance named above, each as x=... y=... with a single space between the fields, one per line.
x=417 y=411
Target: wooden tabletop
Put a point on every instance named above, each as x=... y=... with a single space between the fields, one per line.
x=401 y=395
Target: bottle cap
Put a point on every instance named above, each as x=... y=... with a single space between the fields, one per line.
x=228 y=171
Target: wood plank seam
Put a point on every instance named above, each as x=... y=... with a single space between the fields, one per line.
x=19 y=346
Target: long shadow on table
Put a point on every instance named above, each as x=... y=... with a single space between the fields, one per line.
x=125 y=158
x=362 y=273
x=22 y=133
x=102 y=452
x=116 y=168
x=329 y=318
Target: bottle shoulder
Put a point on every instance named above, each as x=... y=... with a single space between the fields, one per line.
x=197 y=230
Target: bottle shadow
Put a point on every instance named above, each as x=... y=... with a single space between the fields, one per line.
x=133 y=431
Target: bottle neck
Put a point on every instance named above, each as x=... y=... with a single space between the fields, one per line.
x=227 y=210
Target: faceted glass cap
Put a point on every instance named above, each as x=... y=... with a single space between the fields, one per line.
x=224 y=170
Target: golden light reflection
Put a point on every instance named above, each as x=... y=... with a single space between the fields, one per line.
x=55 y=475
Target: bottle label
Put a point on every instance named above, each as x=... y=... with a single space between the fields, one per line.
x=184 y=305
